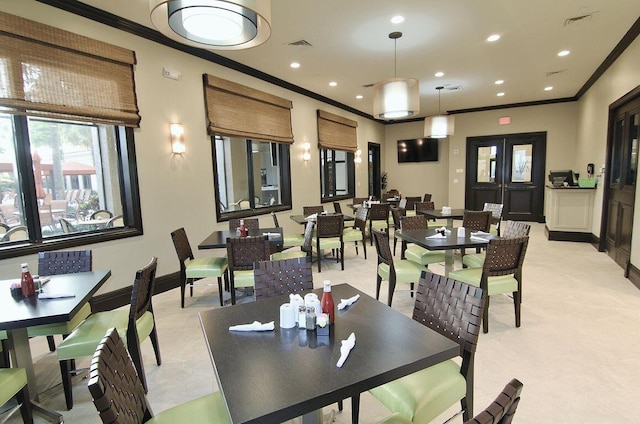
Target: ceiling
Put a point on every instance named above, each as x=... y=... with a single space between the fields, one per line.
x=350 y=44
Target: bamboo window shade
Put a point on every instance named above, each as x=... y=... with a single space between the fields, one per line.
x=47 y=71
x=336 y=132
x=237 y=110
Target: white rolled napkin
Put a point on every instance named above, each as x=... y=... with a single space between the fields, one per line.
x=287 y=316
x=254 y=326
x=312 y=216
x=55 y=295
x=346 y=347
x=476 y=238
x=347 y=302
x=437 y=236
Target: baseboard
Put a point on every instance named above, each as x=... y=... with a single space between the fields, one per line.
x=634 y=275
x=568 y=236
x=122 y=297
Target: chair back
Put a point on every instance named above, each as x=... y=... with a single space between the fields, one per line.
x=396 y=216
x=411 y=202
x=337 y=208
x=67 y=227
x=4 y=228
x=307 y=245
x=308 y=210
x=117 y=392
x=379 y=212
x=242 y=252
x=141 y=296
x=477 y=221
x=275 y=220
x=513 y=229
x=360 y=220
x=427 y=197
x=359 y=200
x=101 y=214
x=417 y=222
x=183 y=248
x=64 y=262
x=503 y=408
x=329 y=226
x=16 y=233
x=504 y=257
x=249 y=223
x=496 y=211
x=116 y=221
x=425 y=206
x=383 y=248
x=274 y=278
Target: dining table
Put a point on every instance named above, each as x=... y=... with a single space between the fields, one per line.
x=430 y=239
x=302 y=219
x=65 y=295
x=439 y=214
x=274 y=376
x=218 y=238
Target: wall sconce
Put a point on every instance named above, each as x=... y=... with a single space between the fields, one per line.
x=306 y=154
x=358 y=156
x=177 y=139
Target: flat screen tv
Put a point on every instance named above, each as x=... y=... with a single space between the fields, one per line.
x=418 y=150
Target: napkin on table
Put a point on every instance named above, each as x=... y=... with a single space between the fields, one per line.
x=312 y=216
x=480 y=234
x=55 y=295
x=346 y=347
x=476 y=238
x=254 y=326
x=347 y=302
x=437 y=236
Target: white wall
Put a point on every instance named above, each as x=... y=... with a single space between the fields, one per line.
x=177 y=190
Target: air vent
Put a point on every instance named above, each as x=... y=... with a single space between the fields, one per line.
x=576 y=19
x=552 y=73
x=454 y=88
x=368 y=85
x=301 y=43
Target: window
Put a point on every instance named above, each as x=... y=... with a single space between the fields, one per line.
x=251 y=177
x=337 y=175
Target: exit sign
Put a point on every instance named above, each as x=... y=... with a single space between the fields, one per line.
x=504 y=120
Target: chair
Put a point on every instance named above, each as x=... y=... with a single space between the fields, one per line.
x=329 y=236
x=427 y=197
x=427 y=206
x=378 y=218
x=192 y=269
x=453 y=309
x=503 y=408
x=396 y=215
x=393 y=192
x=359 y=200
x=135 y=325
x=476 y=221
x=337 y=208
x=410 y=204
x=276 y=277
x=501 y=273
x=288 y=239
x=116 y=221
x=512 y=229
x=309 y=210
x=119 y=395
x=306 y=250
x=496 y=216
x=101 y=214
x=13 y=384
x=16 y=233
x=414 y=253
x=359 y=230
x=250 y=223
x=67 y=226
x=63 y=262
x=402 y=271
x=242 y=252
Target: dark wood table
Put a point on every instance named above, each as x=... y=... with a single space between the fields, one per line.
x=302 y=219
x=17 y=315
x=274 y=376
x=437 y=214
x=449 y=243
x=218 y=239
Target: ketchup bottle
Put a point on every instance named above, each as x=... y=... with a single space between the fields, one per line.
x=243 y=229
x=26 y=282
x=328 y=307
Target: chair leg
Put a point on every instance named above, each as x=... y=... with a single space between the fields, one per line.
x=232 y=288
x=412 y=285
x=25 y=404
x=52 y=343
x=183 y=283
x=66 y=383
x=395 y=242
x=220 y=290
x=154 y=342
x=378 y=284
x=4 y=355
x=356 y=243
x=355 y=409
x=392 y=288
x=340 y=406
x=191 y=288
x=364 y=248
x=341 y=252
x=485 y=317
x=516 y=305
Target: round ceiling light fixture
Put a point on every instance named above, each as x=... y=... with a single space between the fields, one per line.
x=213 y=24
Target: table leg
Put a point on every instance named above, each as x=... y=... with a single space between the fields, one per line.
x=449 y=222
x=448 y=261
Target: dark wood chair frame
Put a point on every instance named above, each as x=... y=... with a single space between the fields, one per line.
x=503 y=408
x=242 y=252
x=330 y=226
x=378 y=212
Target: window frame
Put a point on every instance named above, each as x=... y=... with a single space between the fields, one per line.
x=351 y=176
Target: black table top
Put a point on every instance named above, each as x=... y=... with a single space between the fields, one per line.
x=437 y=214
x=33 y=311
x=218 y=239
x=274 y=376
x=302 y=219
x=450 y=241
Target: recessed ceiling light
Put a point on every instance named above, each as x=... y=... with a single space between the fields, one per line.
x=498 y=82
x=359 y=96
x=493 y=37
x=295 y=65
x=439 y=74
x=500 y=94
x=333 y=83
x=548 y=88
x=563 y=53
x=397 y=19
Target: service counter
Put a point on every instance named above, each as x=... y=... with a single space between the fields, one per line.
x=569 y=213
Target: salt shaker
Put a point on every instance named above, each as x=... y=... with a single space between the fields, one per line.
x=311 y=318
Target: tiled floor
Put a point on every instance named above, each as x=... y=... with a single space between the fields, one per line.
x=577 y=351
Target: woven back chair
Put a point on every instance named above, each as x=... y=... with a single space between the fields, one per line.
x=309 y=210
x=453 y=309
x=274 y=278
x=426 y=197
x=337 y=208
x=411 y=202
x=101 y=214
x=67 y=226
x=425 y=206
x=358 y=232
x=496 y=214
x=514 y=229
x=359 y=200
x=275 y=220
x=242 y=252
x=250 y=223
x=396 y=216
x=503 y=408
x=379 y=218
x=329 y=230
x=417 y=222
x=477 y=221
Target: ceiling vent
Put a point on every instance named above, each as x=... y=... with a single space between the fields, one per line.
x=552 y=73
x=453 y=88
x=301 y=43
x=576 y=19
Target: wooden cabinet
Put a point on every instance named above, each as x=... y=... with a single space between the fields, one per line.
x=569 y=213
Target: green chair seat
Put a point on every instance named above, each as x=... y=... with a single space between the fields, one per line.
x=406 y=271
x=474 y=260
x=12 y=380
x=379 y=225
x=243 y=278
x=206 y=267
x=292 y=240
x=288 y=254
x=495 y=285
x=330 y=243
x=396 y=418
x=425 y=394
x=351 y=234
x=62 y=327
x=422 y=256
x=84 y=339
x=206 y=409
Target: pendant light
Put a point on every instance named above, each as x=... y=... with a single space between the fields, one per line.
x=439 y=126
x=396 y=98
x=213 y=24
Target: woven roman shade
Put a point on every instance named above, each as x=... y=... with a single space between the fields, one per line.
x=46 y=71
x=336 y=132
x=237 y=110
